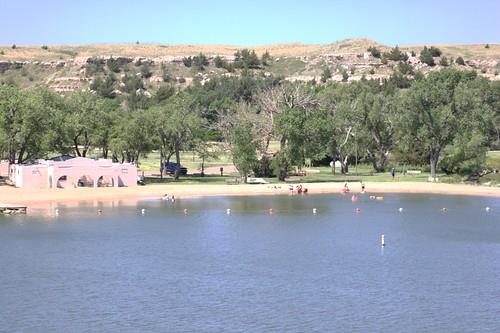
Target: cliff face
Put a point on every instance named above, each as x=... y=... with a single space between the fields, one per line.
x=69 y=68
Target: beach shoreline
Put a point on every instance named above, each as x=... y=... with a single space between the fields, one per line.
x=39 y=197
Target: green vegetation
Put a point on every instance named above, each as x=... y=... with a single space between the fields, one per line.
x=443 y=124
x=327 y=74
x=374 y=52
x=460 y=61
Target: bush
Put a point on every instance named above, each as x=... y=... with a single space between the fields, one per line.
x=353 y=70
x=405 y=68
x=487 y=46
x=345 y=76
x=435 y=52
x=426 y=57
x=483 y=70
x=182 y=80
x=45 y=47
x=266 y=59
x=146 y=71
x=327 y=74
x=2 y=52
x=372 y=71
x=200 y=61
x=460 y=61
x=219 y=62
x=187 y=61
x=246 y=59
x=384 y=60
x=443 y=62
x=374 y=52
x=14 y=46
x=396 y=55
x=413 y=54
x=113 y=65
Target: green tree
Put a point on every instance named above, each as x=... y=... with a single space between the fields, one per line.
x=327 y=74
x=244 y=149
x=426 y=56
x=460 y=61
x=429 y=115
x=375 y=52
x=444 y=62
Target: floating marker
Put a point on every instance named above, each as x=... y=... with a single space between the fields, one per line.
x=143 y=211
x=487 y=209
x=56 y=211
x=270 y=210
x=228 y=211
x=444 y=209
x=99 y=211
x=400 y=209
x=382 y=240
x=314 y=211
x=354 y=198
x=358 y=210
x=185 y=211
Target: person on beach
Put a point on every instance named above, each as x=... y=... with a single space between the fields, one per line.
x=393 y=173
x=362 y=187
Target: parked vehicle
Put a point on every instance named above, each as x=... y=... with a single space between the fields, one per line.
x=170 y=168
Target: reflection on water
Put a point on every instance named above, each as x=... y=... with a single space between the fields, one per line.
x=292 y=271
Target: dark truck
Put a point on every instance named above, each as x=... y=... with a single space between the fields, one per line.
x=170 y=168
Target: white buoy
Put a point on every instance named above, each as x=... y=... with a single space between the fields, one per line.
x=382 y=240
x=314 y=211
x=487 y=209
x=400 y=209
x=228 y=211
x=143 y=211
x=56 y=211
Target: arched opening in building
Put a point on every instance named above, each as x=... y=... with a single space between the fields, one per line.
x=105 y=181
x=85 y=181
x=62 y=182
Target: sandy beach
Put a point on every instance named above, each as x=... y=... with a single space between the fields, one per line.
x=39 y=197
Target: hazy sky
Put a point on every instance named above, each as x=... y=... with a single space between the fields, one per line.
x=250 y=22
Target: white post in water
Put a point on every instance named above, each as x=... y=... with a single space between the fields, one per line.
x=143 y=211
x=314 y=211
x=228 y=211
x=382 y=240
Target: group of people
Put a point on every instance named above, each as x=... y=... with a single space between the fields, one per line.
x=168 y=198
x=300 y=189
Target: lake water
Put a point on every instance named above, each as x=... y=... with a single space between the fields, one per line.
x=291 y=271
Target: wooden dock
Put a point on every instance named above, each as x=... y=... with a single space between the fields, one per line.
x=8 y=209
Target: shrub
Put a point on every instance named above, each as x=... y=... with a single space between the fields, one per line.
x=113 y=65
x=460 y=61
x=14 y=46
x=483 y=70
x=384 y=60
x=200 y=61
x=405 y=68
x=2 y=52
x=146 y=71
x=374 y=52
x=413 y=54
x=487 y=46
x=266 y=59
x=372 y=71
x=187 y=61
x=435 y=52
x=353 y=70
x=45 y=47
x=327 y=74
x=345 y=76
x=246 y=59
x=443 y=62
x=182 y=80
x=396 y=55
x=426 y=57
x=219 y=62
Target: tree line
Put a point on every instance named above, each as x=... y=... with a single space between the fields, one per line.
x=447 y=121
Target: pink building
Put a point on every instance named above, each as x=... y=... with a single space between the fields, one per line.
x=73 y=172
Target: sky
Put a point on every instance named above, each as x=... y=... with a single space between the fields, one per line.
x=247 y=23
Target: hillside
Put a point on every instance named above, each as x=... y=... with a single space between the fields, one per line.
x=65 y=68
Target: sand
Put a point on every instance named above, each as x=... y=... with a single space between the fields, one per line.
x=49 y=197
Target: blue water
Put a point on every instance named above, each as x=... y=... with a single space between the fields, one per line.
x=254 y=272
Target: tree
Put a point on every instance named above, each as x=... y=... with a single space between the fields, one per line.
x=219 y=62
x=25 y=122
x=187 y=61
x=429 y=115
x=176 y=123
x=345 y=76
x=113 y=65
x=426 y=56
x=327 y=74
x=396 y=55
x=199 y=62
x=244 y=147
x=266 y=59
x=374 y=52
x=460 y=61
x=443 y=62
